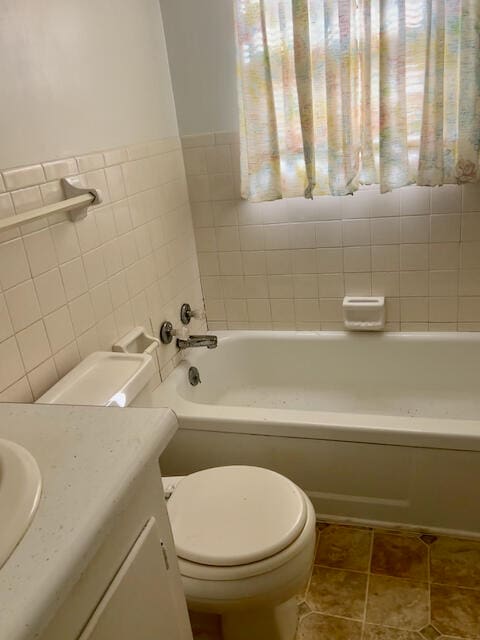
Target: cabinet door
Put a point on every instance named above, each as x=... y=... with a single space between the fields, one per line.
x=139 y=604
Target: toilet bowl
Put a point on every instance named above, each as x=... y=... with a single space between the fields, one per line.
x=245 y=541
x=244 y=536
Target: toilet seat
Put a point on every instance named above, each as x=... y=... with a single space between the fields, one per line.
x=275 y=579
x=207 y=573
x=234 y=516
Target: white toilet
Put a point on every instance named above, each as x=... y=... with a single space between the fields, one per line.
x=244 y=536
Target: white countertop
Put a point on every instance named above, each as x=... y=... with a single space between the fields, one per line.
x=88 y=457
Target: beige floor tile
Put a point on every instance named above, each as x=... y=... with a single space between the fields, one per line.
x=455 y=562
x=320 y=627
x=396 y=602
x=376 y=632
x=337 y=592
x=456 y=611
x=344 y=548
x=399 y=556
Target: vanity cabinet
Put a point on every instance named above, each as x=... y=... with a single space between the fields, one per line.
x=139 y=602
x=131 y=589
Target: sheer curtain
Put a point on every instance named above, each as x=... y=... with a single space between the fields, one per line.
x=338 y=93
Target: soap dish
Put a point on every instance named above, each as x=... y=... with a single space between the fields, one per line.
x=362 y=313
x=136 y=341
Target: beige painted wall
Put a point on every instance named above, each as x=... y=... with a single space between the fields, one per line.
x=201 y=51
x=81 y=76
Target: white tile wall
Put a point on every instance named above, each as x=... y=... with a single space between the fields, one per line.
x=67 y=289
x=288 y=264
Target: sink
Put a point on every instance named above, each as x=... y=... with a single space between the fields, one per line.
x=20 y=488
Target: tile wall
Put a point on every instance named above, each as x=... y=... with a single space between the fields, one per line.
x=287 y=264
x=67 y=289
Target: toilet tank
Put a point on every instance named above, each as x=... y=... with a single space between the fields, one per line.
x=105 y=379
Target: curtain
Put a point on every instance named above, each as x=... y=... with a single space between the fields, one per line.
x=334 y=94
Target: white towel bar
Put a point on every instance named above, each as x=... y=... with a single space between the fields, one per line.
x=77 y=201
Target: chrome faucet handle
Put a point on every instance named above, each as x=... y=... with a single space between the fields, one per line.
x=186 y=313
x=166 y=332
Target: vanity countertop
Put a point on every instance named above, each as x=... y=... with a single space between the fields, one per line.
x=89 y=457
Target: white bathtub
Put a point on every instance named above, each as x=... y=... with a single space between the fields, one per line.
x=378 y=428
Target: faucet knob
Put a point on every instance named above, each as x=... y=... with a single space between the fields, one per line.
x=186 y=313
x=166 y=332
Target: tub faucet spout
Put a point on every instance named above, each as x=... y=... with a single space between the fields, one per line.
x=197 y=341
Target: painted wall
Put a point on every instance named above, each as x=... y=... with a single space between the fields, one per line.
x=81 y=76
x=201 y=50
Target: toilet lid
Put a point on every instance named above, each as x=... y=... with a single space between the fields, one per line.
x=229 y=516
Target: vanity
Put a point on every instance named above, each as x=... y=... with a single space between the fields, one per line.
x=98 y=559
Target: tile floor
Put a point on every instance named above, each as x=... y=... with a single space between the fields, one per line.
x=384 y=585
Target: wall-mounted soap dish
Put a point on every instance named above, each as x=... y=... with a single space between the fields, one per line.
x=136 y=341
x=361 y=313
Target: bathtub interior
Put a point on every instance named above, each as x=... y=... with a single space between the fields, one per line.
x=416 y=375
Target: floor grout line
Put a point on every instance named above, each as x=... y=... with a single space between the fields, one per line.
x=336 y=615
x=327 y=566
x=454 y=586
x=367 y=586
x=318 y=533
x=429 y=585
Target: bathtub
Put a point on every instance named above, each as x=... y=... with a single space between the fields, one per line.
x=380 y=429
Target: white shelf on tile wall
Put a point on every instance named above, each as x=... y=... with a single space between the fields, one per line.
x=77 y=200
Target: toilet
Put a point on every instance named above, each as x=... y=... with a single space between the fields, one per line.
x=244 y=536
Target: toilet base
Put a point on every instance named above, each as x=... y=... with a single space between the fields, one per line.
x=275 y=623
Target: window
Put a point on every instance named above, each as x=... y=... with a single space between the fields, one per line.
x=338 y=93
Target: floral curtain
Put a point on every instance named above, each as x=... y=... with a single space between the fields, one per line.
x=338 y=93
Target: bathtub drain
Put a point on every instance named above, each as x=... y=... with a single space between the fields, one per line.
x=194 y=376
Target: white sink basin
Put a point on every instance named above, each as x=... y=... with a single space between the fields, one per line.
x=20 y=488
